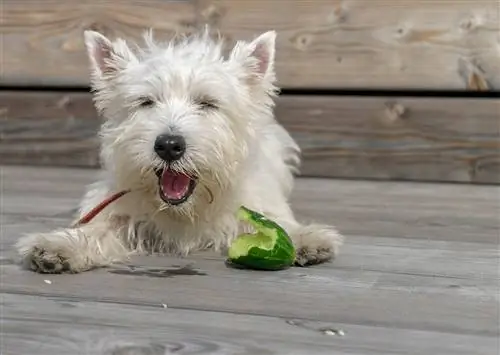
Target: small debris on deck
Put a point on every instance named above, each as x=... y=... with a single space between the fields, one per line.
x=329 y=331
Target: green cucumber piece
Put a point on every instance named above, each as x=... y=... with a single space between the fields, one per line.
x=269 y=249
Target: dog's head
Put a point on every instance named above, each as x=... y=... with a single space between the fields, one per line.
x=180 y=116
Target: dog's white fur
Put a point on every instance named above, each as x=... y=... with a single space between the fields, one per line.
x=238 y=151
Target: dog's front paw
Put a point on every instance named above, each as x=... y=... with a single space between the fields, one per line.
x=316 y=244
x=46 y=262
x=51 y=253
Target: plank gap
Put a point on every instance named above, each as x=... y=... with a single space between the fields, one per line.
x=363 y=92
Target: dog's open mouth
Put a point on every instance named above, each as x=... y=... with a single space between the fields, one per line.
x=174 y=187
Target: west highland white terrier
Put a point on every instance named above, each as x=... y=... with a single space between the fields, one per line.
x=189 y=130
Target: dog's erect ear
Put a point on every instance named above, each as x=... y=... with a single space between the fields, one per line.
x=106 y=57
x=262 y=49
x=258 y=55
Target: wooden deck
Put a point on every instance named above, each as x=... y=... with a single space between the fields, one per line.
x=419 y=274
x=417 y=44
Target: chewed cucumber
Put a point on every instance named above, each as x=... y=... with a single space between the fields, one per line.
x=269 y=249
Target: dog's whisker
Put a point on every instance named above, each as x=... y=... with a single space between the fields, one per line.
x=210 y=194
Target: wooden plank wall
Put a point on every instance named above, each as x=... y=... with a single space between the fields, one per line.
x=322 y=44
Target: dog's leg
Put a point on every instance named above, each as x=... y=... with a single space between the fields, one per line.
x=74 y=250
x=314 y=243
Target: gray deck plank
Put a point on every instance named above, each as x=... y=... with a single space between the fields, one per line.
x=59 y=326
x=462 y=260
x=418 y=275
x=388 y=209
x=441 y=304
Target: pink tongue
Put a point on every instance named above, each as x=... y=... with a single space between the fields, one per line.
x=174 y=185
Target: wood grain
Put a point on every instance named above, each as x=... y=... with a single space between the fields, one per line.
x=441 y=212
x=113 y=328
x=416 y=44
x=42 y=40
x=423 y=139
x=426 y=139
x=48 y=128
x=389 y=294
x=361 y=295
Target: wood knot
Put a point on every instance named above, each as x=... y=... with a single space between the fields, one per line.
x=187 y=25
x=477 y=82
x=302 y=41
x=95 y=26
x=394 y=112
x=471 y=23
x=63 y=102
x=402 y=31
x=338 y=15
x=473 y=75
x=213 y=14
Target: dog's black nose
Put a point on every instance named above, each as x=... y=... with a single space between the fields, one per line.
x=170 y=147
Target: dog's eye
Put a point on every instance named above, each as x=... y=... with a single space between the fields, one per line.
x=146 y=102
x=207 y=104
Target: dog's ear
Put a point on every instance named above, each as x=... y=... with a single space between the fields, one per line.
x=106 y=57
x=263 y=49
x=258 y=56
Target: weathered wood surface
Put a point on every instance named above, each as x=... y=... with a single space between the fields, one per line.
x=432 y=139
x=397 y=288
x=418 y=44
x=43 y=128
x=441 y=212
x=42 y=40
x=59 y=325
x=146 y=330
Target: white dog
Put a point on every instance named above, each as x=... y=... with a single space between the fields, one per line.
x=190 y=131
